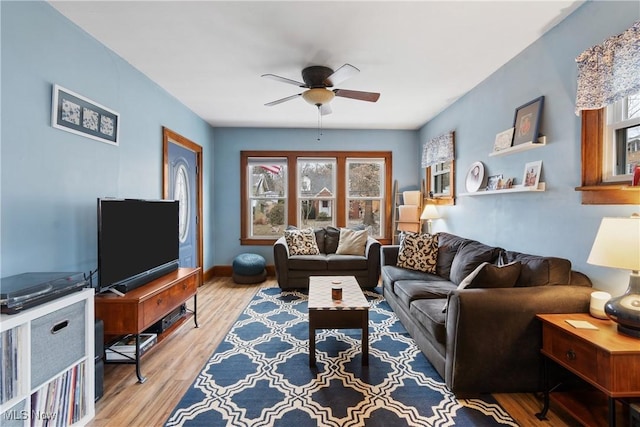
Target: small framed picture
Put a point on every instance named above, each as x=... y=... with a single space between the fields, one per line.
x=503 y=140
x=526 y=122
x=74 y=113
x=531 y=176
x=493 y=182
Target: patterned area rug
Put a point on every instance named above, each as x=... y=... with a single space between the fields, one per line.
x=260 y=375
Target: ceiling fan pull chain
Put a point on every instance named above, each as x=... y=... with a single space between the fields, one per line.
x=319 y=123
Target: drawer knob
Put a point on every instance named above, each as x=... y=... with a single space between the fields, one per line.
x=159 y=301
x=571 y=355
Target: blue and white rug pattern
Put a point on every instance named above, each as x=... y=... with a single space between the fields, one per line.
x=260 y=375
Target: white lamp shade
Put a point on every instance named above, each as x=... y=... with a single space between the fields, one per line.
x=430 y=212
x=617 y=244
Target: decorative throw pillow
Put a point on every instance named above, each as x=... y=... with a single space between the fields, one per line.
x=492 y=276
x=301 y=242
x=352 y=242
x=469 y=256
x=418 y=252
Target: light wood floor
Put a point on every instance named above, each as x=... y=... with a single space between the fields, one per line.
x=172 y=366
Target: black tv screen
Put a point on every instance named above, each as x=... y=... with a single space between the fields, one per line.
x=137 y=241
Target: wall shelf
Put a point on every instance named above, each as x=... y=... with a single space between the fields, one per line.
x=514 y=189
x=542 y=141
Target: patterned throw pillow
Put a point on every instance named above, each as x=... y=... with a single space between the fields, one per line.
x=418 y=252
x=301 y=242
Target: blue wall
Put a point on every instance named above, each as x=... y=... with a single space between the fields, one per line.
x=230 y=141
x=554 y=222
x=51 y=178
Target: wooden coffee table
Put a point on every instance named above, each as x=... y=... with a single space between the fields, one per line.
x=352 y=312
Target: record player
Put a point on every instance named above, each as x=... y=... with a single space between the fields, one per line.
x=28 y=290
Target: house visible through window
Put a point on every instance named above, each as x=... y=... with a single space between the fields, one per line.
x=337 y=189
x=622 y=139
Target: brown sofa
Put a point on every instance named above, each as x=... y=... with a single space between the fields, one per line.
x=293 y=271
x=482 y=339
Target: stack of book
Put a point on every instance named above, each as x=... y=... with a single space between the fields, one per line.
x=125 y=348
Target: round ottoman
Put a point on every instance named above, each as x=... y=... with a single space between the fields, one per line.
x=249 y=268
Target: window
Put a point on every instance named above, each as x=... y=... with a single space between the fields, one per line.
x=365 y=194
x=622 y=139
x=316 y=195
x=313 y=189
x=267 y=195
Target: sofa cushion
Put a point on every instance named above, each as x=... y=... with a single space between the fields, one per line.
x=308 y=262
x=301 y=242
x=331 y=239
x=411 y=290
x=428 y=312
x=418 y=252
x=391 y=274
x=492 y=276
x=352 y=242
x=346 y=262
x=448 y=245
x=540 y=271
x=320 y=232
x=469 y=256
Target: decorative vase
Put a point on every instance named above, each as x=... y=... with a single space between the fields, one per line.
x=625 y=309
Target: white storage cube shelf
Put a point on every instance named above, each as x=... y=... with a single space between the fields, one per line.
x=47 y=362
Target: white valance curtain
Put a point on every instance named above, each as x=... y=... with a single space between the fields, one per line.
x=438 y=150
x=609 y=71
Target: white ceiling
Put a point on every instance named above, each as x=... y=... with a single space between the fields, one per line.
x=420 y=55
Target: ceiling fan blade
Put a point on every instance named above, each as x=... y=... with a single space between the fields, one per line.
x=341 y=74
x=325 y=109
x=356 y=94
x=280 y=101
x=284 y=80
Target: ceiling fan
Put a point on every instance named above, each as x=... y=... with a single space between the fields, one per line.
x=317 y=79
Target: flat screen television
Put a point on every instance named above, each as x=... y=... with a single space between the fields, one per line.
x=137 y=242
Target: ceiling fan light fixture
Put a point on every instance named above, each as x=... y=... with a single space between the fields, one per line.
x=318 y=96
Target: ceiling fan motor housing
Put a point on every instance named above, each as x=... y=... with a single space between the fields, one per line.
x=316 y=76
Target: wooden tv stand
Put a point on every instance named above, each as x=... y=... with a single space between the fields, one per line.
x=140 y=308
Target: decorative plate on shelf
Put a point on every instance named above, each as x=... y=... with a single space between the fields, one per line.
x=475 y=177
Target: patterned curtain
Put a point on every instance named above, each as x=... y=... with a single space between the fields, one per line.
x=438 y=150
x=609 y=71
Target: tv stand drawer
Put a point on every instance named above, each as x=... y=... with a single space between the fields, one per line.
x=162 y=303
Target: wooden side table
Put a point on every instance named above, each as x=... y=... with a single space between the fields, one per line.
x=604 y=358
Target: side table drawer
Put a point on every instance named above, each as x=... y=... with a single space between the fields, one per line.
x=575 y=354
x=159 y=305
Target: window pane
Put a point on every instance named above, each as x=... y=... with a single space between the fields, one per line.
x=628 y=149
x=267 y=217
x=633 y=106
x=365 y=179
x=316 y=177
x=267 y=178
x=316 y=213
x=365 y=212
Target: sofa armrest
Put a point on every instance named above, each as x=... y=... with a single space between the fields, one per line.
x=494 y=340
x=281 y=260
x=389 y=254
x=372 y=252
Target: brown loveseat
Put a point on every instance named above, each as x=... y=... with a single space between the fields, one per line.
x=482 y=339
x=293 y=271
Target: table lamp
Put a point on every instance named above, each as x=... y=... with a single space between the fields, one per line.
x=617 y=245
x=429 y=214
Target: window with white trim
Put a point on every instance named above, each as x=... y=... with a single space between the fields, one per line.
x=365 y=194
x=316 y=192
x=622 y=139
x=267 y=193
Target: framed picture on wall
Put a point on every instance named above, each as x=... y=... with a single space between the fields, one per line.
x=526 y=122
x=74 y=113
